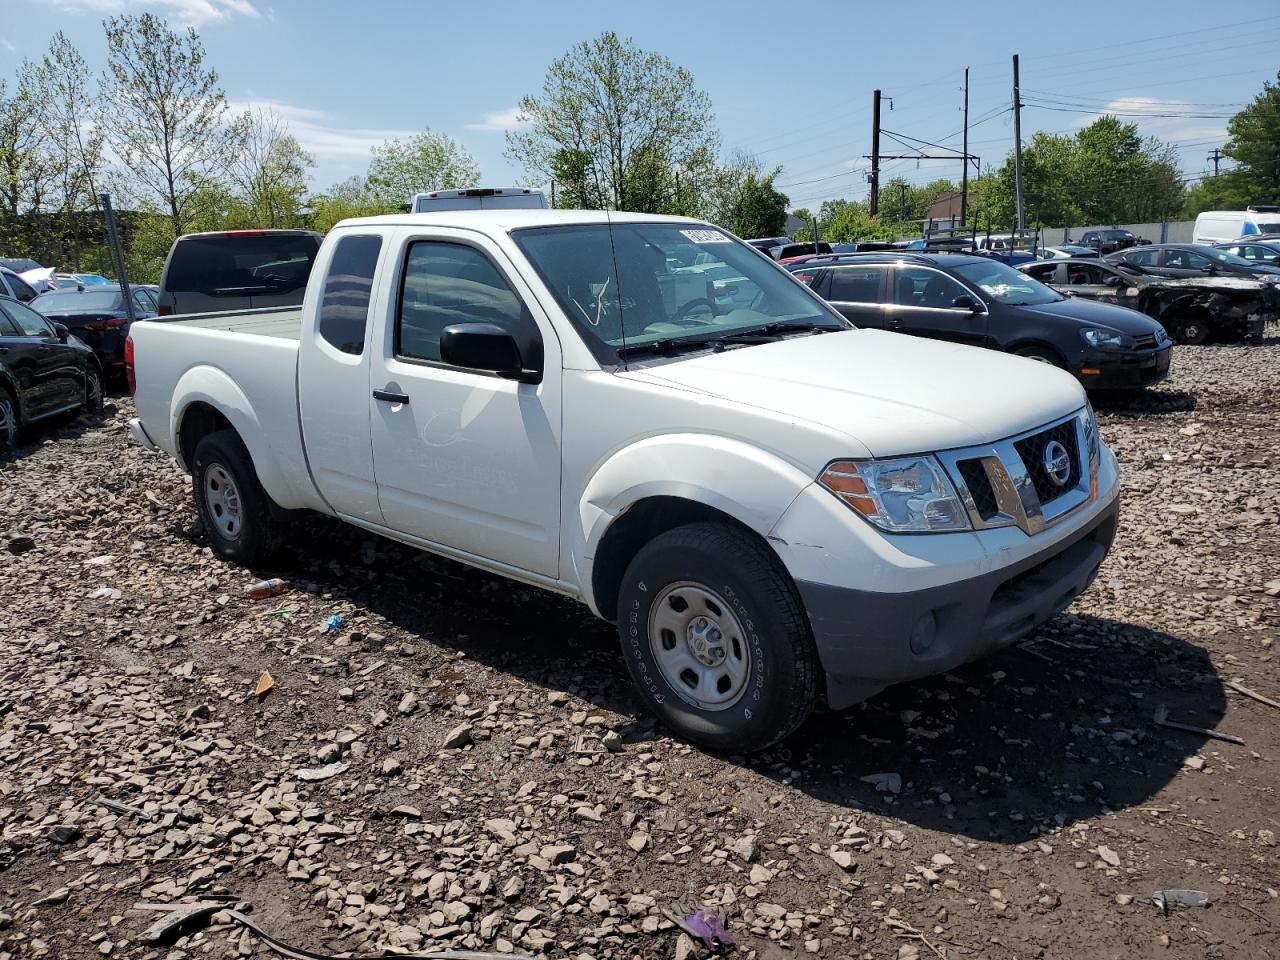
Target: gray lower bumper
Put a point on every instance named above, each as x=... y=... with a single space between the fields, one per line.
x=867 y=641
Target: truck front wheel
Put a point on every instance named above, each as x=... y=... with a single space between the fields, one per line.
x=716 y=638
x=230 y=501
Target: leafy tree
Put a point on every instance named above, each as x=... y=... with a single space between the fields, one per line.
x=270 y=170
x=350 y=198
x=741 y=197
x=26 y=175
x=427 y=161
x=163 y=112
x=1254 y=145
x=638 y=121
x=574 y=176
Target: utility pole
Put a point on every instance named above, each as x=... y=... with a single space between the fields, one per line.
x=903 y=211
x=1216 y=156
x=117 y=253
x=873 y=202
x=1017 y=143
x=964 y=176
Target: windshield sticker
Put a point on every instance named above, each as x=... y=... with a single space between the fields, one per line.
x=706 y=236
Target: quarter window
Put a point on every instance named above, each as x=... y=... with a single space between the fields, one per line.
x=344 y=305
x=448 y=283
x=29 y=322
x=920 y=287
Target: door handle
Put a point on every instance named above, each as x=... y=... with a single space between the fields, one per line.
x=388 y=397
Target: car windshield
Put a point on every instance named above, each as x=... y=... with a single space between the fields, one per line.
x=1005 y=284
x=628 y=285
x=1223 y=257
x=1267 y=226
x=1116 y=234
x=75 y=301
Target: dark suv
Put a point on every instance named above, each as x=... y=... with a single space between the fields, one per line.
x=986 y=303
x=1109 y=241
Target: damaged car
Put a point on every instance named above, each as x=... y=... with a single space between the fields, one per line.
x=1193 y=310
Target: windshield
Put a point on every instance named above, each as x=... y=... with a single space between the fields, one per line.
x=1116 y=234
x=632 y=284
x=1267 y=226
x=1005 y=284
x=1223 y=257
x=73 y=301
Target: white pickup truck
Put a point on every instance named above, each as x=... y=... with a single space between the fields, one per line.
x=776 y=508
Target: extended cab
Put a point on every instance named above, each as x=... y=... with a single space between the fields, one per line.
x=773 y=506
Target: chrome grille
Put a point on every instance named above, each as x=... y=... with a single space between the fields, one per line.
x=1006 y=483
x=1145 y=342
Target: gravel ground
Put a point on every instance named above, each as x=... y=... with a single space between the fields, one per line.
x=463 y=764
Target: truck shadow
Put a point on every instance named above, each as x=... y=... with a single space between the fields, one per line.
x=1142 y=403
x=1042 y=735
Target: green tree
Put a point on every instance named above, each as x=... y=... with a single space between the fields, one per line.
x=164 y=115
x=742 y=197
x=638 y=119
x=1254 y=146
x=342 y=201
x=426 y=161
x=270 y=170
x=27 y=175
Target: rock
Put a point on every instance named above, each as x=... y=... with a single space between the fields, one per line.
x=64 y=834
x=638 y=841
x=684 y=947
x=612 y=742
x=1193 y=763
x=1108 y=856
x=512 y=889
x=942 y=860
x=313 y=774
x=58 y=896
x=760 y=875
x=405 y=811
x=380 y=719
x=559 y=853
x=557 y=698
x=745 y=847
x=328 y=753
x=884 y=782
x=1124 y=899
x=408 y=704
x=842 y=858
x=458 y=737
x=391 y=766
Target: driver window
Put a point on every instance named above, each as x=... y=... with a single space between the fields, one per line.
x=448 y=283
x=922 y=287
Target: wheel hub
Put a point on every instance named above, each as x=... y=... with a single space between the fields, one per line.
x=705 y=641
x=222 y=500
x=699 y=646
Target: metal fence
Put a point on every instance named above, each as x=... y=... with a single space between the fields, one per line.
x=1168 y=231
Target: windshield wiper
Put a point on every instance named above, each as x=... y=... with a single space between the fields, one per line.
x=750 y=335
x=665 y=346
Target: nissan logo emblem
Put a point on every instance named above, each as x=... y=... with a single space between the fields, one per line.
x=1057 y=463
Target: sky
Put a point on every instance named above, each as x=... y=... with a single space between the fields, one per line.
x=791 y=85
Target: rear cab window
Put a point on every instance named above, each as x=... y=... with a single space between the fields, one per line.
x=233 y=264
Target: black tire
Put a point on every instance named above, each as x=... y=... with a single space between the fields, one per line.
x=94 y=390
x=222 y=463
x=781 y=664
x=10 y=424
x=1193 y=329
x=1043 y=354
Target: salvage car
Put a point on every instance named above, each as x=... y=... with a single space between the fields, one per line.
x=1192 y=260
x=1109 y=241
x=1194 y=310
x=982 y=302
x=98 y=316
x=44 y=371
x=1258 y=251
x=773 y=507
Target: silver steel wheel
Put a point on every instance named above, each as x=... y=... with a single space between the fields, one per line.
x=699 y=646
x=222 y=501
x=8 y=422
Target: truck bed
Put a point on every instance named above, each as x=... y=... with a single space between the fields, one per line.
x=284 y=323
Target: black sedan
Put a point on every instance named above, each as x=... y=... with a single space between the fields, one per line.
x=986 y=303
x=43 y=371
x=1185 y=260
x=1109 y=241
x=97 y=315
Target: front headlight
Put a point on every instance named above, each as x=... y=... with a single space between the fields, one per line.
x=1105 y=339
x=906 y=495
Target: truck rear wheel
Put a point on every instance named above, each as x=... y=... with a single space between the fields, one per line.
x=230 y=501
x=716 y=638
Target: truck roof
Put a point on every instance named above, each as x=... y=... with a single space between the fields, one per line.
x=511 y=219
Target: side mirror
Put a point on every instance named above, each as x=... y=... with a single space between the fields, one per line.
x=62 y=332
x=965 y=302
x=1112 y=281
x=486 y=346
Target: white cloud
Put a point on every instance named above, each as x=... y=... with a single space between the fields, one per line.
x=500 y=120
x=1166 y=119
x=4 y=42
x=184 y=13
x=319 y=135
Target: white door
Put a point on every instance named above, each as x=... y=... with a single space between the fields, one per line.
x=333 y=377
x=465 y=458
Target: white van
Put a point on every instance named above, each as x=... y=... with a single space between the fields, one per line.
x=1223 y=226
x=480 y=198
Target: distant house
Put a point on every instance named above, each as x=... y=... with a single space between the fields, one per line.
x=793 y=224
x=946 y=207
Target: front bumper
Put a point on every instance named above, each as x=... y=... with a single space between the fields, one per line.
x=1111 y=370
x=868 y=641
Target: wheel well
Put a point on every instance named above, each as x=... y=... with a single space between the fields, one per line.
x=1039 y=345
x=636 y=526
x=198 y=420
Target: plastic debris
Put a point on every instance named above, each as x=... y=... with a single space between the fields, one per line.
x=266 y=683
x=1161 y=719
x=1181 y=898
x=702 y=924
x=106 y=593
x=265 y=588
x=334 y=623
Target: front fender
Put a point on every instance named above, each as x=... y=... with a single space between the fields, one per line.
x=739 y=479
x=213 y=386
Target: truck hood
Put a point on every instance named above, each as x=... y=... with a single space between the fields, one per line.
x=893 y=394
